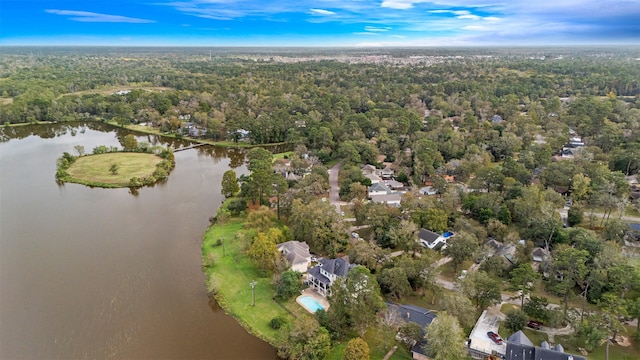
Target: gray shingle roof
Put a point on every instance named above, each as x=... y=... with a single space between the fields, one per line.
x=428 y=236
x=519 y=347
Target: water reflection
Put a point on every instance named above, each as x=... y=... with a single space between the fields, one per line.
x=109 y=273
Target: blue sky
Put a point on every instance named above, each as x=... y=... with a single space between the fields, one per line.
x=319 y=22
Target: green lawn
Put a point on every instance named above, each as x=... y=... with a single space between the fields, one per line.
x=233 y=272
x=282 y=155
x=95 y=168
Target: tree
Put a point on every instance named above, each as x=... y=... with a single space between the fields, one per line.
x=410 y=333
x=515 y=320
x=79 y=149
x=536 y=307
x=404 y=236
x=460 y=248
x=261 y=178
x=229 y=184
x=354 y=302
x=260 y=219
x=480 y=288
x=575 y=215
x=288 y=285
x=435 y=220
x=445 y=339
x=129 y=143
x=263 y=252
x=568 y=268
x=113 y=169
x=393 y=281
x=522 y=279
x=459 y=306
x=357 y=349
x=307 y=340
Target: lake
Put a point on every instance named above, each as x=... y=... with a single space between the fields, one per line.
x=104 y=273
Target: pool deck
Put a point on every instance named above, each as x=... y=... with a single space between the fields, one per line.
x=317 y=297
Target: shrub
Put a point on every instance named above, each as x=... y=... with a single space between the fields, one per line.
x=277 y=322
x=516 y=320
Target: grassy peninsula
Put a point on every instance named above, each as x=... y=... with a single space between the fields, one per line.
x=229 y=272
x=95 y=169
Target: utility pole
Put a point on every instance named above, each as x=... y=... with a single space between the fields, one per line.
x=253 y=293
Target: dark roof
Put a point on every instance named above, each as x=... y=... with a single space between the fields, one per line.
x=339 y=266
x=539 y=252
x=415 y=314
x=428 y=236
x=519 y=347
x=315 y=272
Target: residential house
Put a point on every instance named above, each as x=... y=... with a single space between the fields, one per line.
x=433 y=240
x=519 y=347
x=386 y=173
x=368 y=169
x=389 y=199
x=418 y=315
x=373 y=177
x=297 y=255
x=539 y=254
x=322 y=276
x=393 y=185
x=378 y=189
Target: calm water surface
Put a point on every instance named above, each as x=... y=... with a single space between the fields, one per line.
x=102 y=273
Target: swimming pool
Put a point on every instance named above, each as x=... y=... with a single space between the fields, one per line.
x=310 y=303
x=447 y=234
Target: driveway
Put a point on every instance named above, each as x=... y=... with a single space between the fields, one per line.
x=488 y=321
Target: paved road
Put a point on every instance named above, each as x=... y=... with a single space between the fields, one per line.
x=334 y=197
x=615 y=215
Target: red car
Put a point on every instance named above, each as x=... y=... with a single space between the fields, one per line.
x=495 y=337
x=534 y=324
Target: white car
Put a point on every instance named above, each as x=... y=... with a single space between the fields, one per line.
x=355 y=235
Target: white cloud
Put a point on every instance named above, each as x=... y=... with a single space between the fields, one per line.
x=400 y=4
x=322 y=12
x=85 y=16
x=376 y=29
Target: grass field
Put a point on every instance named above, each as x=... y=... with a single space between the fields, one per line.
x=95 y=168
x=232 y=273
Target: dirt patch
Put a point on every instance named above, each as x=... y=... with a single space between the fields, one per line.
x=623 y=341
x=6 y=101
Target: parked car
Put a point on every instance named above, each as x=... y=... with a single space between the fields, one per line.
x=495 y=337
x=355 y=235
x=534 y=324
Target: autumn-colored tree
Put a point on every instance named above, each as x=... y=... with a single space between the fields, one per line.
x=357 y=349
x=263 y=252
x=229 y=184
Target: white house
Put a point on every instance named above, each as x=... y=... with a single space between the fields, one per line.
x=297 y=254
x=433 y=240
x=322 y=276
